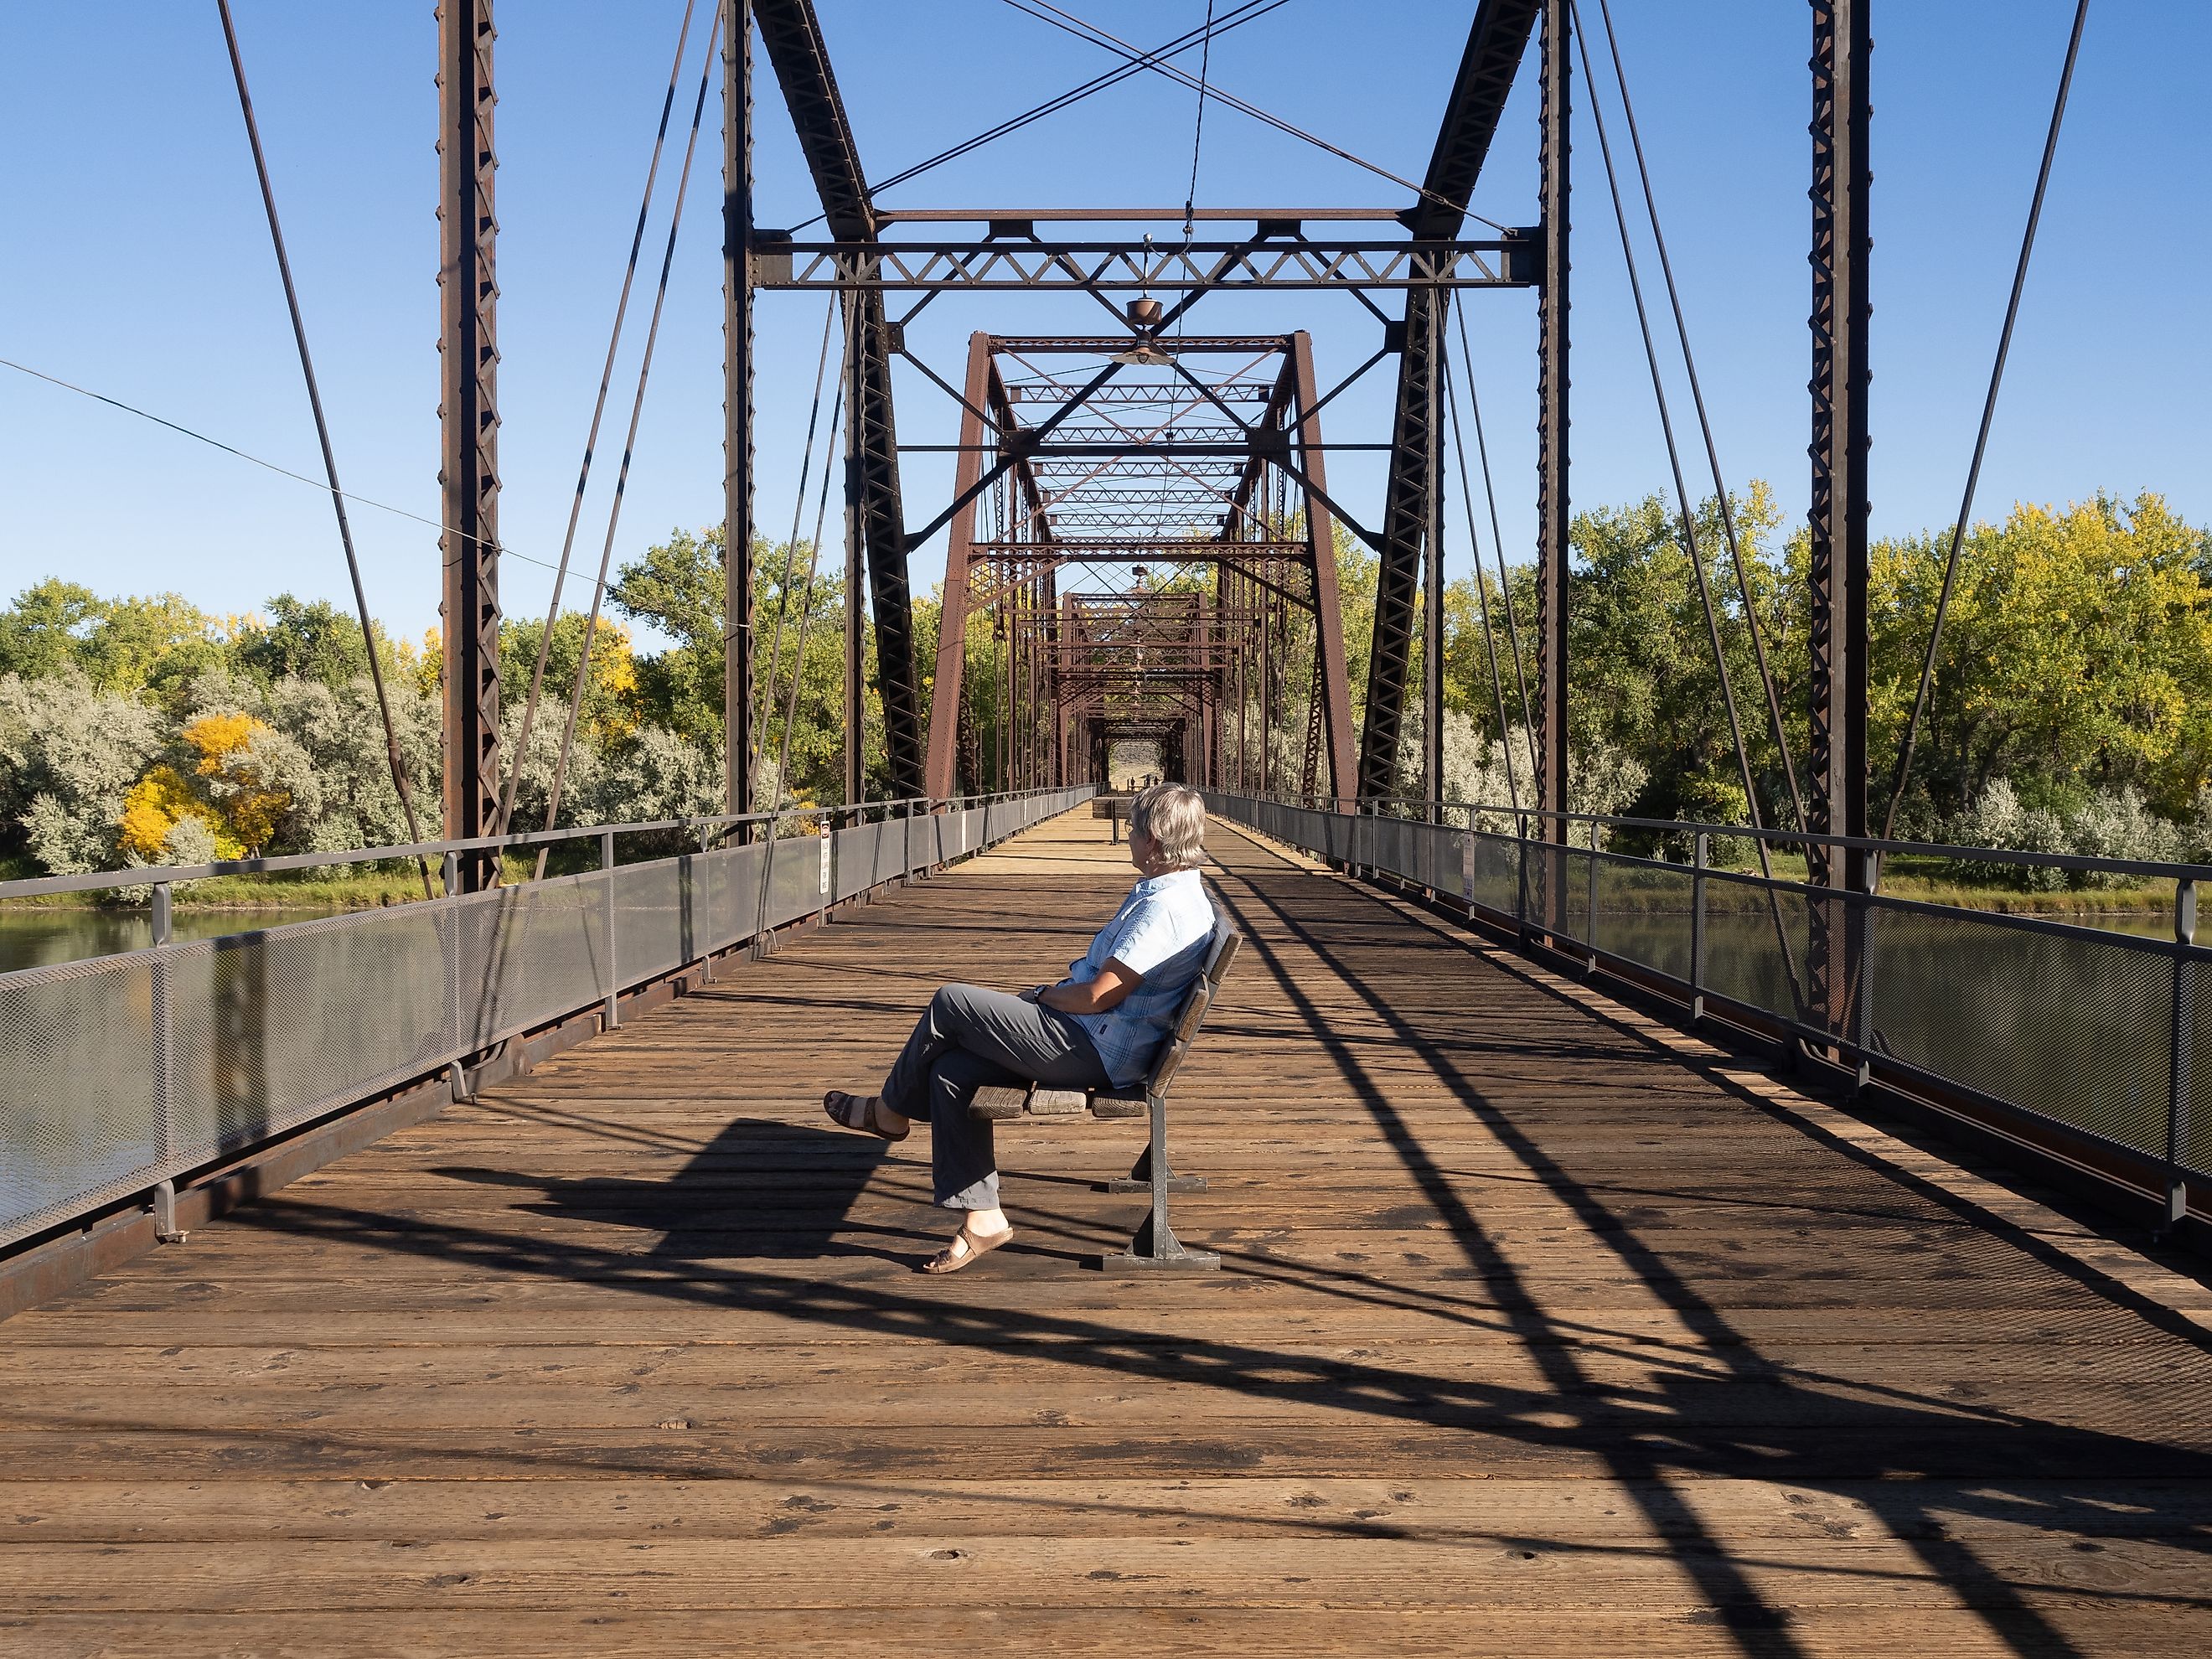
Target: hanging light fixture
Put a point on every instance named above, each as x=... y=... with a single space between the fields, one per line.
x=1144 y=314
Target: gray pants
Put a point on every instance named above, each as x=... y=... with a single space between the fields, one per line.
x=969 y=1038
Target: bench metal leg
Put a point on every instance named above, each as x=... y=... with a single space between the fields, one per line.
x=1155 y=1247
x=1139 y=1178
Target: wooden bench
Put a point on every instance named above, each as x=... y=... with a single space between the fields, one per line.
x=1154 y=1244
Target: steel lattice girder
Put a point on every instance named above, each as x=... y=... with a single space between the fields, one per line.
x=1122 y=268
x=793 y=35
x=1836 y=802
x=468 y=410
x=1498 y=40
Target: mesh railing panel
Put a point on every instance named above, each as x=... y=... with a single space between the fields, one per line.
x=77 y=1114
x=2068 y=1022
x=1757 y=944
x=798 y=881
x=1490 y=873
x=121 y=1070
x=729 y=885
x=529 y=955
x=1644 y=913
x=2074 y=1025
x=652 y=919
x=861 y=851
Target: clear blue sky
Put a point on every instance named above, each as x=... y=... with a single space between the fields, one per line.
x=136 y=261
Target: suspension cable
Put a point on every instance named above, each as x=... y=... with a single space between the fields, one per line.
x=1235 y=19
x=1481 y=585
x=758 y=737
x=1705 y=424
x=629 y=439
x=591 y=435
x=1497 y=541
x=1045 y=12
x=1689 y=530
x=1982 y=437
x=1198 y=129
x=1675 y=462
x=399 y=783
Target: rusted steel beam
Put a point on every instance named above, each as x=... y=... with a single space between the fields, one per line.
x=941 y=774
x=1496 y=43
x=1836 y=800
x=1552 y=512
x=792 y=34
x=468 y=417
x=1321 y=549
x=1497 y=40
x=738 y=404
x=1193 y=268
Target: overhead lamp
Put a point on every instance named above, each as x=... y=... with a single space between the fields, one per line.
x=1143 y=316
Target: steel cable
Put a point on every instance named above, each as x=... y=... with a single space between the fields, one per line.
x=629 y=440
x=758 y=737
x=1982 y=437
x=399 y=783
x=1689 y=532
x=592 y=436
x=1481 y=588
x=1236 y=19
x=1198 y=129
x=1496 y=542
x=1045 y=12
x=1705 y=424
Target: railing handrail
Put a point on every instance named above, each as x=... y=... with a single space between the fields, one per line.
x=150 y=875
x=2158 y=869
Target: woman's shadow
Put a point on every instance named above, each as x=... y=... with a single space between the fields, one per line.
x=760 y=1190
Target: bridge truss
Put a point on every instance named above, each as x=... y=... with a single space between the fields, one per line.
x=1069 y=481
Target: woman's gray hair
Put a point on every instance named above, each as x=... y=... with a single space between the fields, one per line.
x=1174 y=815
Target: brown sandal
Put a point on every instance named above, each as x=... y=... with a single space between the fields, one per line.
x=969 y=1248
x=861 y=1112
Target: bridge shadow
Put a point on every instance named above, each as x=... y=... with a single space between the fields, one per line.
x=1927 y=1467
x=760 y=1189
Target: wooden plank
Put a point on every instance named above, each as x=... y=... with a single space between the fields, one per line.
x=1536 y=1331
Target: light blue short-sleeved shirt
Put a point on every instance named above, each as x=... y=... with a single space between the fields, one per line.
x=1161 y=932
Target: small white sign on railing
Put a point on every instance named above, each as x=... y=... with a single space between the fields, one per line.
x=828 y=839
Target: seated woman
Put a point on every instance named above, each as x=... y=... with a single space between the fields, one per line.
x=1098 y=1028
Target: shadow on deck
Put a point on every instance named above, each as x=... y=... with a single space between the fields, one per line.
x=1534 y=1331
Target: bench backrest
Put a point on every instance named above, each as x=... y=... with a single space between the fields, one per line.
x=1199 y=998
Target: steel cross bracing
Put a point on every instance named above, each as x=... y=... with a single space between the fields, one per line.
x=1144 y=589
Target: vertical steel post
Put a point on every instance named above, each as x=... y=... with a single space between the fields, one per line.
x=611 y=1017
x=1432 y=591
x=1700 y=859
x=1553 y=514
x=855 y=705
x=468 y=412
x=738 y=403
x=164 y=1017
x=1862 y=958
x=941 y=779
x=1836 y=799
x=450 y=873
x=2185 y=1019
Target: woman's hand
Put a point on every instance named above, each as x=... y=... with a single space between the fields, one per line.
x=1115 y=981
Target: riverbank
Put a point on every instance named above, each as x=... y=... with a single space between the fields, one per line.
x=319 y=891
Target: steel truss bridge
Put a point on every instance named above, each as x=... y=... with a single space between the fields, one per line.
x=1617 y=1253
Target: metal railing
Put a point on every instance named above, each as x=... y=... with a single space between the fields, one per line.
x=2105 y=1036
x=120 y=1072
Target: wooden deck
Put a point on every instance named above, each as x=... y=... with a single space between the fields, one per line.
x=1540 y=1330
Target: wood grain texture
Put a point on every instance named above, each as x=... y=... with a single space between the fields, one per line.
x=1540 y=1328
